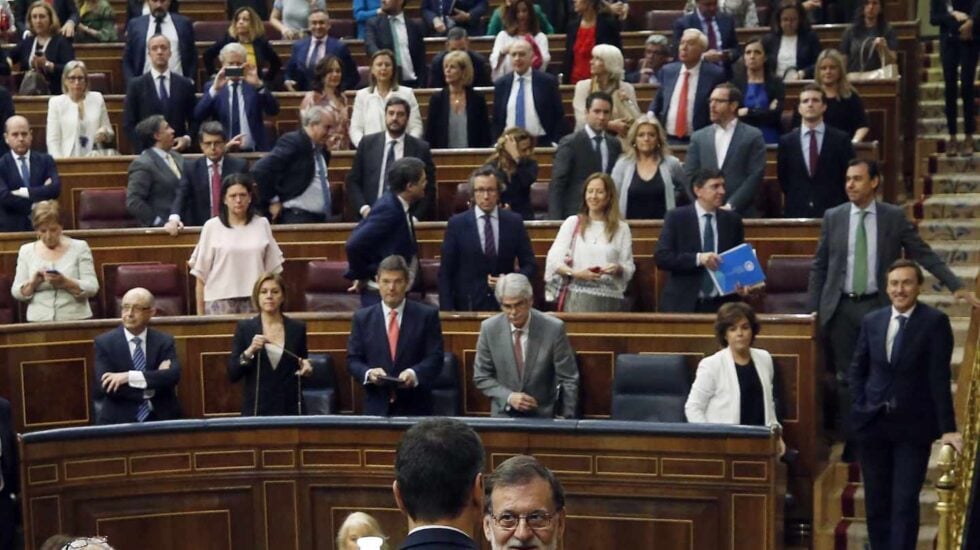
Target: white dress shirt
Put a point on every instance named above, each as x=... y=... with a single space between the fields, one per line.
x=871 y=231
x=156 y=80
x=786 y=57
x=500 y=62
x=531 y=119
x=386 y=312
x=692 y=88
x=400 y=38
x=723 y=138
x=368 y=115
x=893 y=328
x=249 y=141
x=169 y=30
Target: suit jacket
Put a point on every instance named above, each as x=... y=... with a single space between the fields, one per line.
x=142 y=101
x=677 y=249
x=6 y=111
x=576 y=160
x=745 y=163
x=481 y=71
x=807 y=50
x=378 y=37
x=477 y=120
x=550 y=371
x=298 y=72
x=15 y=212
x=726 y=28
x=278 y=390
x=476 y=8
x=709 y=77
x=266 y=59
x=464 y=266
x=193 y=200
x=59 y=51
x=152 y=188
x=419 y=348
x=134 y=8
x=895 y=235
x=257 y=103
x=10 y=472
x=715 y=395
x=547 y=103
x=437 y=539
x=810 y=197
x=67 y=10
x=112 y=355
x=384 y=232
x=361 y=182
x=607 y=31
x=288 y=169
x=949 y=27
x=134 y=54
x=914 y=385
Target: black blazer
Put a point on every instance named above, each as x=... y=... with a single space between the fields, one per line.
x=67 y=10
x=677 y=249
x=134 y=8
x=807 y=50
x=134 y=54
x=288 y=169
x=915 y=385
x=807 y=197
x=481 y=70
x=518 y=192
x=266 y=58
x=477 y=120
x=15 y=212
x=112 y=355
x=59 y=51
x=775 y=89
x=361 y=185
x=438 y=539
x=949 y=27
x=10 y=470
x=574 y=161
x=193 y=200
x=607 y=31
x=142 y=101
x=279 y=391
x=377 y=36
x=547 y=103
x=384 y=232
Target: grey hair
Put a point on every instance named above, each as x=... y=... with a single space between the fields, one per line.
x=312 y=115
x=395 y=262
x=612 y=58
x=702 y=38
x=658 y=39
x=230 y=48
x=513 y=285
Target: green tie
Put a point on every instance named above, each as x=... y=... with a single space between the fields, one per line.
x=394 y=43
x=860 y=281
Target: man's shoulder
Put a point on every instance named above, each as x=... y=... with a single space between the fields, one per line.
x=677 y=213
x=418 y=308
x=569 y=140
x=158 y=335
x=548 y=323
x=835 y=134
x=543 y=77
x=713 y=71
x=457 y=221
x=749 y=131
x=361 y=314
x=510 y=217
x=106 y=337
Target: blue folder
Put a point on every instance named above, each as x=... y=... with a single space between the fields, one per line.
x=739 y=265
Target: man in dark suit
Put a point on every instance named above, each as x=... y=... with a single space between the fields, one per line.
x=480 y=246
x=136 y=367
x=240 y=100
x=308 y=51
x=719 y=29
x=902 y=402
x=523 y=488
x=199 y=193
x=811 y=161
x=381 y=33
x=656 y=54
x=843 y=290
x=136 y=8
x=9 y=476
x=439 y=484
x=292 y=178
x=741 y=156
x=541 y=115
x=155 y=175
x=160 y=92
x=161 y=20
x=397 y=338
x=440 y=16
x=388 y=230
x=681 y=103
x=376 y=153
x=580 y=155
x=690 y=243
x=458 y=41
x=26 y=176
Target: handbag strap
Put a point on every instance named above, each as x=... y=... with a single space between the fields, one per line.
x=867 y=58
x=571 y=247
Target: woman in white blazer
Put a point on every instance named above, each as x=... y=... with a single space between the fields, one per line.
x=78 y=118
x=368 y=115
x=735 y=385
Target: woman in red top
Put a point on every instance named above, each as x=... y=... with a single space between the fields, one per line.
x=590 y=26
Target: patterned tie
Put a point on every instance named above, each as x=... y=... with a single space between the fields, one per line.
x=172 y=164
x=518 y=353
x=598 y=152
x=680 y=128
x=236 y=120
x=859 y=282
x=897 y=342
x=164 y=96
x=489 y=243
x=139 y=364
x=710 y=31
x=813 y=152
x=520 y=115
x=215 y=190
x=389 y=161
x=324 y=185
x=707 y=285
x=25 y=171
x=316 y=54
x=392 y=333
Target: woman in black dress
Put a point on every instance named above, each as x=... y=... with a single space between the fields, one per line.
x=649 y=180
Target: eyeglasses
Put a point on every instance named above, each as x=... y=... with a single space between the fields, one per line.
x=134 y=308
x=484 y=191
x=534 y=520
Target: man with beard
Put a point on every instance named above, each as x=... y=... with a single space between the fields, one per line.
x=525 y=506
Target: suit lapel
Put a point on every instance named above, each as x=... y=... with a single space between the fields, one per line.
x=533 y=345
x=408 y=320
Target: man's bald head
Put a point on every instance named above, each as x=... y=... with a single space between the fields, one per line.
x=520 y=56
x=137 y=309
x=17 y=134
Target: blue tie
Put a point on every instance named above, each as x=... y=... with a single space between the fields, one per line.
x=236 y=121
x=707 y=284
x=25 y=171
x=389 y=161
x=520 y=118
x=324 y=187
x=164 y=96
x=139 y=364
x=897 y=342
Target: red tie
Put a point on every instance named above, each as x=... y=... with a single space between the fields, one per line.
x=680 y=128
x=215 y=189
x=710 y=31
x=518 y=353
x=393 y=333
x=813 y=152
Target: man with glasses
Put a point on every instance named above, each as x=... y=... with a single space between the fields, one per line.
x=525 y=506
x=656 y=54
x=480 y=245
x=524 y=362
x=136 y=367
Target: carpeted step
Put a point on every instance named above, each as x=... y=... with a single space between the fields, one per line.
x=941 y=164
x=959 y=206
x=949 y=230
x=951 y=183
x=958 y=253
x=852 y=536
x=936 y=125
x=965 y=273
x=947 y=303
x=856 y=505
x=936 y=108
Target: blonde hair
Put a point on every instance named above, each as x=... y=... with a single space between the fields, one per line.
x=256 y=28
x=69 y=67
x=612 y=58
x=844 y=87
x=55 y=22
x=500 y=158
x=360 y=518
x=465 y=63
x=45 y=212
x=613 y=216
x=661 y=149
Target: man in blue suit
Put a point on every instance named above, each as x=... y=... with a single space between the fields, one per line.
x=681 y=103
x=308 y=51
x=160 y=20
x=160 y=92
x=542 y=115
x=480 y=246
x=387 y=230
x=26 y=176
x=900 y=379
x=136 y=367
x=238 y=97
x=409 y=50
x=719 y=29
x=398 y=339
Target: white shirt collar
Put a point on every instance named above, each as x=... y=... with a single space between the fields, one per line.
x=405 y=205
x=728 y=127
x=130 y=335
x=27 y=156
x=524 y=328
x=871 y=209
x=423 y=527
x=527 y=74
x=701 y=211
x=156 y=74
x=906 y=314
x=387 y=310
x=592 y=133
x=819 y=128
x=480 y=213
x=693 y=70
x=388 y=138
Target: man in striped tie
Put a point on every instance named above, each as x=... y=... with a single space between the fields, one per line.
x=136 y=367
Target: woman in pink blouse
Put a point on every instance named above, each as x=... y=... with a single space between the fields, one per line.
x=327 y=77
x=235 y=248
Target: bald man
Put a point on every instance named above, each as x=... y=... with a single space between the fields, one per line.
x=26 y=176
x=136 y=367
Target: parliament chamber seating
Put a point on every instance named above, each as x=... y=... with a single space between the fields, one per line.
x=428 y=281
x=445 y=388
x=9 y=308
x=162 y=280
x=662 y=19
x=650 y=388
x=326 y=287
x=786 y=284
x=320 y=388
x=102 y=209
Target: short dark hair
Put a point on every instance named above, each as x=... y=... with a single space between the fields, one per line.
x=734 y=94
x=814 y=87
x=436 y=465
x=404 y=172
x=871 y=164
x=521 y=470
x=706 y=174
x=456 y=33
x=598 y=95
x=395 y=262
x=322 y=68
x=269 y=276
x=212 y=128
x=904 y=262
x=147 y=129
x=485 y=171
x=398 y=100
x=246 y=180
x=731 y=313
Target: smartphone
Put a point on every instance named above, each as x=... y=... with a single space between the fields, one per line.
x=234 y=72
x=38 y=51
x=390 y=379
x=52 y=271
